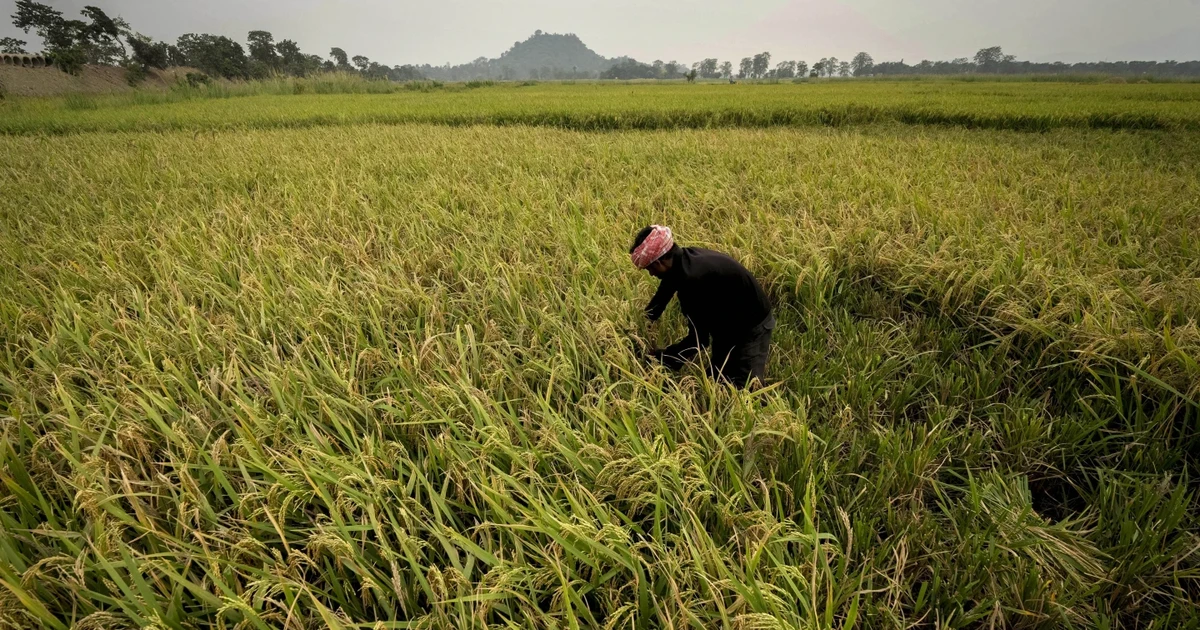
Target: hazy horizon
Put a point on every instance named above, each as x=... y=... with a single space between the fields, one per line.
x=457 y=31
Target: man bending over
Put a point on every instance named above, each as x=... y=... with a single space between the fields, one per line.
x=724 y=305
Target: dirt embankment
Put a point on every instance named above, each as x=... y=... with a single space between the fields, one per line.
x=20 y=81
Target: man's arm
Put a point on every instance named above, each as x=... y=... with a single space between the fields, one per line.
x=682 y=351
x=662 y=297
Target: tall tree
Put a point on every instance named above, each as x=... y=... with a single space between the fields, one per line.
x=760 y=64
x=261 y=45
x=294 y=62
x=288 y=51
x=785 y=70
x=746 y=69
x=992 y=59
x=376 y=71
x=802 y=68
x=708 y=68
x=214 y=54
x=148 y=53
x=40 y=18
x=727 y=69
x=175 y=57
x=844 y=69
x=862 y=64
x=60 y=36
x=73 y=43
x=100 y=39
x=339 y=57
x=313 y=64
x=361 y=62
x=13 y=46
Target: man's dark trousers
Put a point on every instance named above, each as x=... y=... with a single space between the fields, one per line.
x=742 y=361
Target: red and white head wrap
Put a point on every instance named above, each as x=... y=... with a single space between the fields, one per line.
x=657 y=243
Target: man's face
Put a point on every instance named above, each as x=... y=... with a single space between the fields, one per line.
x=658 y=268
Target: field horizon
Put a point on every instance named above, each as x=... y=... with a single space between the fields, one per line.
x=606 y=106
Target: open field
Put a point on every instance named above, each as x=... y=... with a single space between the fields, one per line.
x=368 y=375
x=607 y=106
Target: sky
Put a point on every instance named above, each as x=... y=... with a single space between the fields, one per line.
x=457 y=31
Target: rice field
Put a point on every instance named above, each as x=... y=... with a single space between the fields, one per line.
x=1027 y=106
x=368 y=361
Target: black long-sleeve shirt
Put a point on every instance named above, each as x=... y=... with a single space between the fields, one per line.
x=720 y=299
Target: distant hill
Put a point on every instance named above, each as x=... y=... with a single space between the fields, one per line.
x=542 y=56
x=551 y=50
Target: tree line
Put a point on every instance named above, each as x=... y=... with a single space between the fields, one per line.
x=993 y=60
x=990 y=60
x=102 y=40
x=97 y=38
x=754 y=67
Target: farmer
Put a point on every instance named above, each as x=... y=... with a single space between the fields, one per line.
x=724 y=305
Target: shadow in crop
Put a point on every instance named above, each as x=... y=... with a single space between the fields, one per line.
x=1047 y=412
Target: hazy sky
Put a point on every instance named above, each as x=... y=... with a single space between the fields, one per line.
x=456 y=31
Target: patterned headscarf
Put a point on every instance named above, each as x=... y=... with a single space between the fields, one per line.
x=657 y=243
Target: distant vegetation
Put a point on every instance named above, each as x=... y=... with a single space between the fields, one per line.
x=994 y=61
x=104 y=40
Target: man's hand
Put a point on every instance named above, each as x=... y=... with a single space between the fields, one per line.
x=643 y=352
x=663 y=357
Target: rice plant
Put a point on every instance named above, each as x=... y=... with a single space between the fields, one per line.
x=382 y=376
